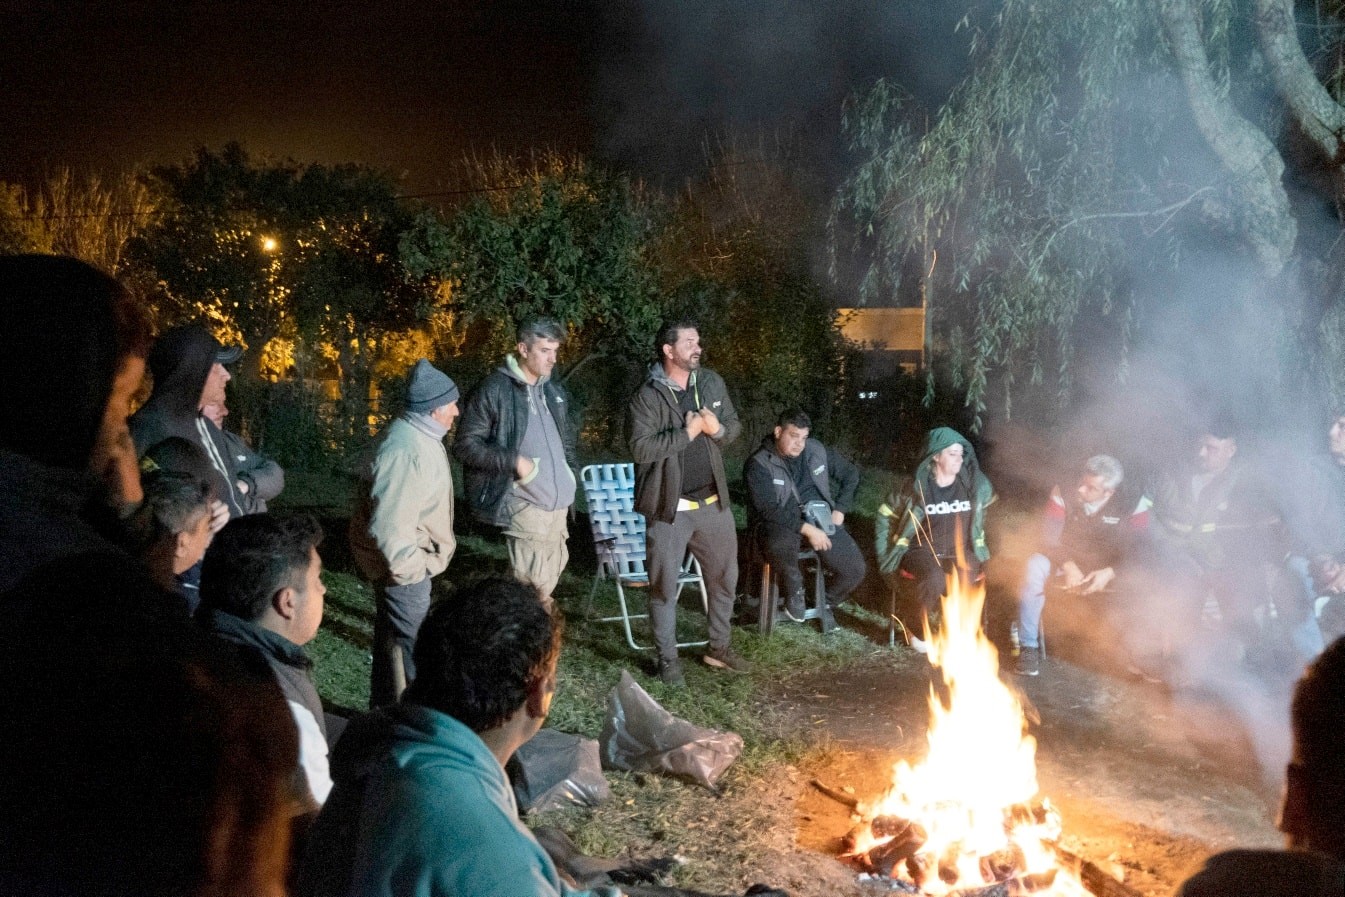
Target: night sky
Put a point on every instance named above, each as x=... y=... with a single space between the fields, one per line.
x=412 y=87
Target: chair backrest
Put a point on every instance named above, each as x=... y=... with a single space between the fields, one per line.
x=618 y=531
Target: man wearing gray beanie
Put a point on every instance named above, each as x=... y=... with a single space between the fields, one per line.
x=402 y=530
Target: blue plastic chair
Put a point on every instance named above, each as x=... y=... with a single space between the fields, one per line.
x=619 y=539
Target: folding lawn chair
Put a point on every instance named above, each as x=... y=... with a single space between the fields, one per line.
x=618 y=538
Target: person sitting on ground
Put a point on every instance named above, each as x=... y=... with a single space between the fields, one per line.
x=72 y=355
x=261 y=589
x=935 y=524
x=173 y=528
x=421 y=804
x=1086 y=540
x=1312 y=815
x=790 y=497
x=137 y=755
x=1314 y=517
x=260 y=478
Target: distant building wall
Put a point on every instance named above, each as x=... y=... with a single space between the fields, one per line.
x=891 y=338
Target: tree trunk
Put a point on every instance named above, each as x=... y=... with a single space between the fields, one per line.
x=1319 y=116
x=1260 y=206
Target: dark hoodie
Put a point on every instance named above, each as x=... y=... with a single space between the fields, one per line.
x=898 y=524
x=59 y=355
x=180 y=362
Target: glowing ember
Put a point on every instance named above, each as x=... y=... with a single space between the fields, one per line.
x=964 y=817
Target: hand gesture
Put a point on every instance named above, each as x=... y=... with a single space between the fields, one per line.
x=695 y=424
x=1098 y=580
x=816 y=538
x=523 y=467
x=1072 y=575
x=838 y=518
x=709 y=422
x=219 y=515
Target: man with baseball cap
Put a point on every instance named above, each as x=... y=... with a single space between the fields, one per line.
x=187 y=364
x=402 y=530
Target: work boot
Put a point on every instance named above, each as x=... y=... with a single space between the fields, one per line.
x=826 y=618
x=726 y=658
x=796 y=606
x=670 y=671
x=1028 y=662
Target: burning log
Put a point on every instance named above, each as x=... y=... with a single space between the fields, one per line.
x=1098 y=882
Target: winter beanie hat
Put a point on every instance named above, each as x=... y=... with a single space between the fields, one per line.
x=429 y=388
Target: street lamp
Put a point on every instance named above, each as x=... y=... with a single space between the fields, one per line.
x=270 y=244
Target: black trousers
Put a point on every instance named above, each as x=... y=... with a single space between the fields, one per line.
x=931 y=575
x=843 y=560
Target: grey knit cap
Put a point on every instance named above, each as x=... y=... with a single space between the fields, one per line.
x=429 y=388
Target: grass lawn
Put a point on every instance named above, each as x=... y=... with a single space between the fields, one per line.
x=647 y=814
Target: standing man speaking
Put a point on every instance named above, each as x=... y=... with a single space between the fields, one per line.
x=679 y=420
x=516 y=446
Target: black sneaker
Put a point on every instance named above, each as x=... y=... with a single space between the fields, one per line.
x=670 y=671
x=796 y=607
x=726 y=658
x=1029 y=662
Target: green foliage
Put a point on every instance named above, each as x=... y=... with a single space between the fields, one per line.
x=556 y=237
x=736 y=256
x=297 y=261
x=1016 y=201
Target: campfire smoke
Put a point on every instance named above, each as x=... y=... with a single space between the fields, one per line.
x=966 y=819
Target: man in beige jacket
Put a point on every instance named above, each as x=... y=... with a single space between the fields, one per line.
x=402 y=530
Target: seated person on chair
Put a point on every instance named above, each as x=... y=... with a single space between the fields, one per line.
x=1214 y=531
x=936 y=522
x=1085 y=540
x=799 y=490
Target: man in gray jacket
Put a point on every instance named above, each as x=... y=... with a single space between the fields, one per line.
x=402 y=530
x=679 y=420
x=516 y=446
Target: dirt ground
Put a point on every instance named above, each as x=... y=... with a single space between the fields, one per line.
x=1148 y=783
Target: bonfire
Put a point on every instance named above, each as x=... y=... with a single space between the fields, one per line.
x=967 y=819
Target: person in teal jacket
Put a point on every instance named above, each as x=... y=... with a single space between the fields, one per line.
x=935 y=522
x=421 y=806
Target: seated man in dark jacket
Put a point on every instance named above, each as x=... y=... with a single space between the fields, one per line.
x=1086 y=539
x=799 y=488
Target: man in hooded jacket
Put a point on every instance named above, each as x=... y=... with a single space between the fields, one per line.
x=936 y=522
x=187 y=364
x=72 y=355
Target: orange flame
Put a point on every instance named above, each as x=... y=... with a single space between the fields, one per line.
x=972 y=791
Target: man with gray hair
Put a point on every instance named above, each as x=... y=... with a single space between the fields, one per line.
x=1085 y=539
x=516 y=446
x=401 y=532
